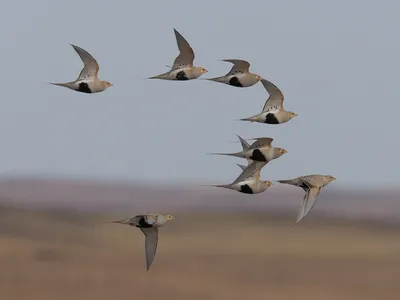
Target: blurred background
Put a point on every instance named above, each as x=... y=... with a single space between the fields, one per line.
x=70 y=162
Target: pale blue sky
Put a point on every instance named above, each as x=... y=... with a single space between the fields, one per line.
x=336 y=62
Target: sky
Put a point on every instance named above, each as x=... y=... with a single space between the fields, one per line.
x=336 y=63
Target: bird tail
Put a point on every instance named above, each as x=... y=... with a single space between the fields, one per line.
x=250 y=119
x=66 y=84
x=160 y=76
x=216 y=79
x=225 y=186
x=284 y=181
x=236 y=154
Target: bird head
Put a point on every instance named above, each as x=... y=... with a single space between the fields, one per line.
x=107 y=84
x=282 y=151
x=202 y=70
x=331 y=178
x=267 y=183
x=292 y=114
x=169 y=217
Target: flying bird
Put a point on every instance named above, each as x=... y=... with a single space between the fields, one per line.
x=148 y=224
x=239 y=75
x=261 y=151
x=247 y=185
x=273 y=111
x=87 y=81
x=312 y=185
x=183 y=68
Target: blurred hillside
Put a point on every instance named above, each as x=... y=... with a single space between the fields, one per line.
x=57 y=254
x=93 y=196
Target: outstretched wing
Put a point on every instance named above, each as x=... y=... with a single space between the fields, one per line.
x=261 y=143
x=309 y=200
x=275 y=100
x=186 y=53
x=239 y=66
x=91 y=67
x=249 y=171
x=151 y=241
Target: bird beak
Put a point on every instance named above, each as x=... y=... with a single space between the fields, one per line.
x=205 y=71
x=283 y=151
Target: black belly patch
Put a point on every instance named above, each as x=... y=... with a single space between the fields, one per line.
x=257 y=155
x=271 y=119
x=246 y=189
x=84 y=88
x=142 y=223
x=304 y=186
x=235 y=82
x=181 y=75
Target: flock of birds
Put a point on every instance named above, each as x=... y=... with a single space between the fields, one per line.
x=258 y=154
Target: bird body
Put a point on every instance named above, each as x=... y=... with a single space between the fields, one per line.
x=183 y=68
x=261 y=150
x=249 y=181
x=181 y=74
x=148 y=224
x=87 y=81
x=312 y=185
x=248 y=184
x=273 y=111
x=239 y=75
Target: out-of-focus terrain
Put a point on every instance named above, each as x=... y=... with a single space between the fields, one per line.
x=65 y=251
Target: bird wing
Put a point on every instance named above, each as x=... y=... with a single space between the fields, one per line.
x=186 y=53
x=308 y=202
x=242 y=167
x=239 y=66
x=91 y=67
x=261 y=142
x=151 y=241
x=249 y=171
x=245 y=144
x=275 y=100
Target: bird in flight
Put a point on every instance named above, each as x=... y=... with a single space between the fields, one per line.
x=87 y=81
x=312 y=185
x=273 y=111
x=239 y=75
x=148 y=224
x=183 y=68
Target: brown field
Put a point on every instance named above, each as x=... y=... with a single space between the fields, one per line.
x=62 y=255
